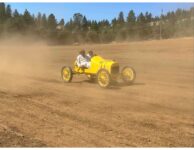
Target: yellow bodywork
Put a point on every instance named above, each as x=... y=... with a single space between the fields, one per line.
x=97 y=63
x=102 y=70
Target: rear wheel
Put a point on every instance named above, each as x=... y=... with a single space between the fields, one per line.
x=66 y=74
x=103 y=78
x=128 y=75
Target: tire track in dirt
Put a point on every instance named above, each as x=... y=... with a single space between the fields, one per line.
x=155 y=111
x=10 y=137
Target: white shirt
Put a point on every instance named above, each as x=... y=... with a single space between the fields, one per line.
x=81 y=61
x=88 y=57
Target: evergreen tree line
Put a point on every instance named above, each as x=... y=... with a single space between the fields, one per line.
x=81 y=30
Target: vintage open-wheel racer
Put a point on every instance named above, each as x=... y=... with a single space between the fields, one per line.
x=101 y=70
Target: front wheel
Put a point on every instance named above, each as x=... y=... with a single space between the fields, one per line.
x=103 y=78
x=66 y=74
x=128 y=75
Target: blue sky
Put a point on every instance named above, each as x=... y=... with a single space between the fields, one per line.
x=97 y=11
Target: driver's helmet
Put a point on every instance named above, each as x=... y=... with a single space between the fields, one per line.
x=82 y=52
x=91 y=53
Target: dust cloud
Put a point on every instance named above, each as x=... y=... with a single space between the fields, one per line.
x=22 y=59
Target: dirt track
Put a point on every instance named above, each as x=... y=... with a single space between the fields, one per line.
x=157 y=110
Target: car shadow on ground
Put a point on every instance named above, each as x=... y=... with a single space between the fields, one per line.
x=115 y=85
x=120 y=85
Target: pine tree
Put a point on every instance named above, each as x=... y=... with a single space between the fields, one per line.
x=8 y=11
x=39 y=20
x=16 y=14
x=84 y=24
x=94 y=26
x=121 y=20
x=2 y=13
x=77 y=22
x=62 y=22
x=52 y=23
x=17 y=24
x=148 y=17
x=131 y=23
x=44 y=21
x=52 y=32
x=79 y=28
x=28 y=19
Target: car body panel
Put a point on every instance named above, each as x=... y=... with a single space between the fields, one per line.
x=97 y=63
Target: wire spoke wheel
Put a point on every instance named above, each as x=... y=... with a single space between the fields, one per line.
x=128 y=75
x=103 y=78
x=66 y=74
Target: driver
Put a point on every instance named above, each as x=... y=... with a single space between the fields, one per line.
x=89 y=55
x=82 y=60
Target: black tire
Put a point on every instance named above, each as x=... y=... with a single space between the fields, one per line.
x=130 y=78
x=68 y=77
x=104 y=83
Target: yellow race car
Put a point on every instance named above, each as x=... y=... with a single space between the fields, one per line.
x=101 y=70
